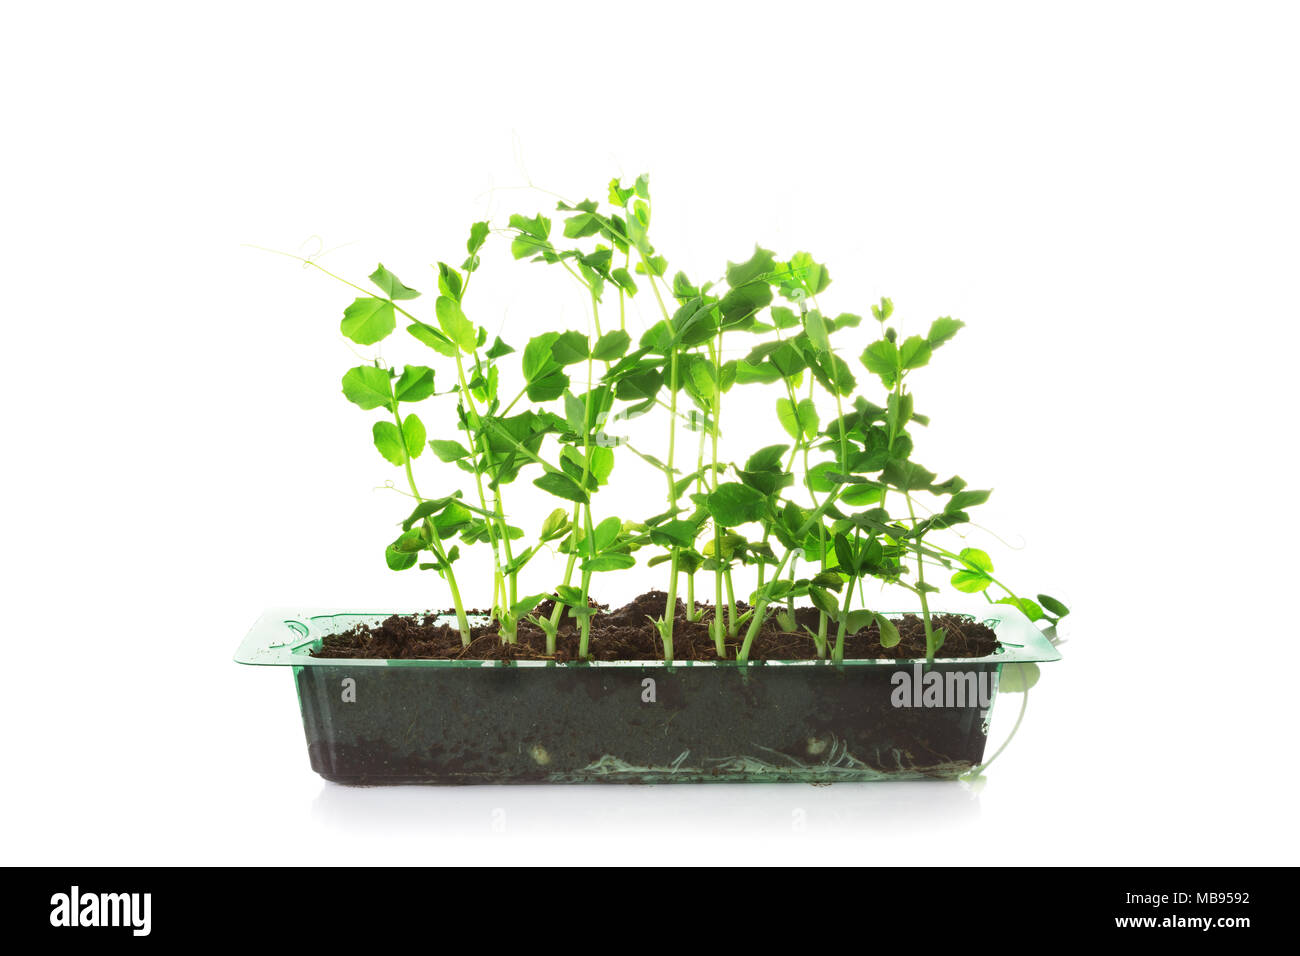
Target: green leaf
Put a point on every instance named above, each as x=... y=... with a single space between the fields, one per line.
x=756 y=268
x=1026 y=607
x=739 y=305
x=600 y=462
x=971 y=582
x=941 y=330
x=949 y=487
x=915 y=352
x=570 y=347
x=966 y=499
x=845 y=555
x=766 y=479
x=678 y=533
x=818 y=476
x=1016 y=678
x=448 y=450
x=555 y=525
x=413 y=434
x=498 y=349
x=538 y=226
x=811 y=275
x=704 y=379
x=584 y=222
x=881 y=358
x=391 y=285
x=823 y=601
x=658 y=338
x=454 y=517
x=410 y=542
x=562 y=486
x=857 y=620
x=478 y=233
x=976 y=559
x=808 y=417
x=734 y=504
x=618 y=196
x=817 y=333
x=889 y=636
x=389 y=442
x=568 y=594
x=508 y=436
x=368 y=387
x=424 y=509
x=433 y=338
x=1053 y=605
x=368 y=320
x=454 y=324
x=764 y=372
x=767 y=459
x=575 y=413
x=898 y=412
x=859 y=495
x=415 y=385
x=834 y=374
x=623 y=279
x=399 y=560
x=450 y=283
x=522 y=247
x=611 y=345
x=654 y=265
x=784 y=318
x=546 y=379
x=606 y=533
x=906 y=475
x=799 y=421
x=526 y=604
x=608 y=562
x=695 y=322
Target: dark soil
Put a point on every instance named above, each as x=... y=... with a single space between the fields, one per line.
x=627 y=634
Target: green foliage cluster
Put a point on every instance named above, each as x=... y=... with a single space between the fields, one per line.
x=836 y=501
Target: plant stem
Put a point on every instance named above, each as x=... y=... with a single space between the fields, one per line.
x=584 y=619
x=838 y=654
x=480 y=442
x=622 y=296
x=760 y=607
x=761 y=602
x=462 y=621
x=719 y=643
x=513 y=576
x=718 y=625
x=670 y=611
x=558 y=610
x=733 y=619
x=920 y=580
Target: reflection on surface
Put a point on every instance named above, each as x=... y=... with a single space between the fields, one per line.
x=716 y=809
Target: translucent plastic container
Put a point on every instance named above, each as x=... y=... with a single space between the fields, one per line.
x=467 y=722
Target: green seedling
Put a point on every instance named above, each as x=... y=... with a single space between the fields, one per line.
x=829 y=509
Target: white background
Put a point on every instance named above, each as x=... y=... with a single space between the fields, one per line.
x=1105 y=192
